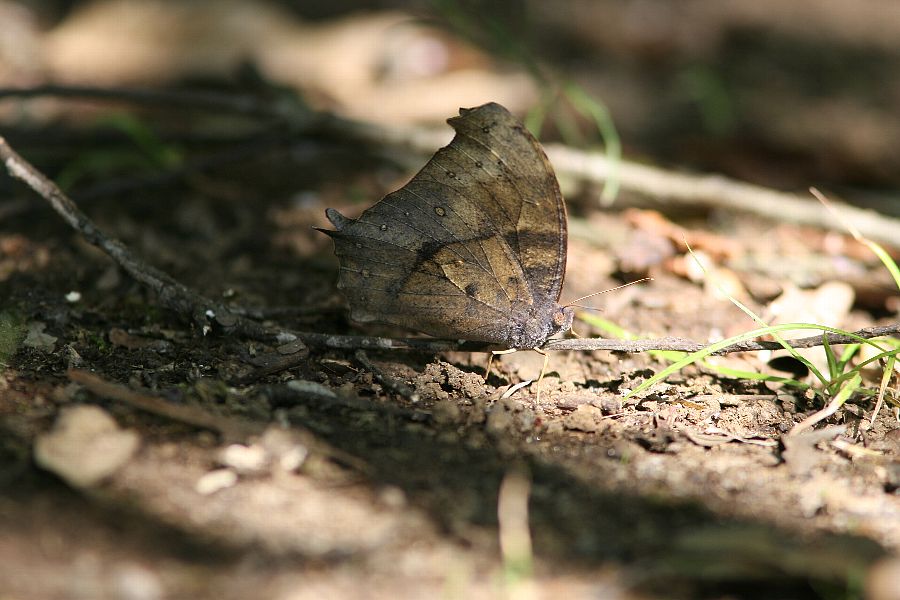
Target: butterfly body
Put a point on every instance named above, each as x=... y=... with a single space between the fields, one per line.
x=473 y=247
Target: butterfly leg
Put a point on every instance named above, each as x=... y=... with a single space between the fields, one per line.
x=546 y=356
x=487 y=370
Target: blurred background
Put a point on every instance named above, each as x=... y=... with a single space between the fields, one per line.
x=781 y=94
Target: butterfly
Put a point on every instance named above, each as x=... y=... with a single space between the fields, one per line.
x=472 y=248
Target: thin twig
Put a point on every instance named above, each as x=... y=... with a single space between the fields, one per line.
x=677 y=344
x=386 y=380
x=203 y=100
x=232 y=428
x=367 y=342
x=683 y=345
x=319 y=396
x=172 y=294
x=716 y=191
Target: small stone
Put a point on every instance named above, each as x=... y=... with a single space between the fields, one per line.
x=85 y=446
x=572 y=401
x=73 y=359
x=215 y=481
x=293 y=459
x=312 y=387
x=499 y=419
x=136 y=582
x=73 y=297
x=610 y=405
x=585 y=418
x=284 y=337
x=246 y=460
x=285 y=447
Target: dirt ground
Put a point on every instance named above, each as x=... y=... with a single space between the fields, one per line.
x=331 y=481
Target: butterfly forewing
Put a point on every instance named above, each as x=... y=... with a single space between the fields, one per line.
x=523 y=185
x=472 y=247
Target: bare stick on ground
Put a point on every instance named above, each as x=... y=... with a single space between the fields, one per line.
x=386 y=380
x=172 y=294
x=683 y=345
x=231 y=428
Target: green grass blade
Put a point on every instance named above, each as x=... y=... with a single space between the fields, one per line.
x=771 y=330
x=597 y=111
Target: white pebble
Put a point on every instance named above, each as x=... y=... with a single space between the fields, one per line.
x=244 y=459
x=215 y=481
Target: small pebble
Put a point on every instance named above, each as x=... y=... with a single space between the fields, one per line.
x=285 y=447
x=216 y=481
x=246 y=460
x=585 y=418
x=135 y=582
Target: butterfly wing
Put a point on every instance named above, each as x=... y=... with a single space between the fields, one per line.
x=521 y=193
x=473 y=247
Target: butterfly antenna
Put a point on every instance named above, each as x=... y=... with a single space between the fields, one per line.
x=618 y=287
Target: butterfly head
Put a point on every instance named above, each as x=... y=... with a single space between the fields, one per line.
x=532 y=327
x=562 y=318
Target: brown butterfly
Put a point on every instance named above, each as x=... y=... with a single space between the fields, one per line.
x=472 y=248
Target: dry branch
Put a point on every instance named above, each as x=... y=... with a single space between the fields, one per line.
x=172 y=294
x=718 y=191
x=683 y=345
x=231 y=428
x=201 y=100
